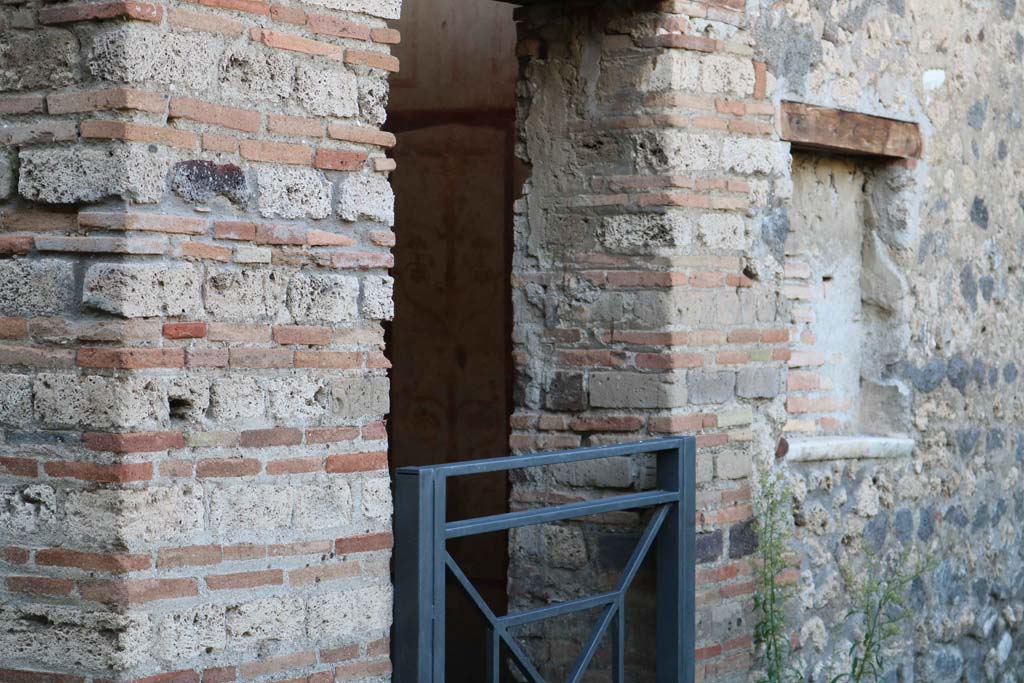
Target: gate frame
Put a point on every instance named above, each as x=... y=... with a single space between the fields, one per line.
x=422 y=562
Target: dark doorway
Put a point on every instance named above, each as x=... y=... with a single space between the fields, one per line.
x=452 y=110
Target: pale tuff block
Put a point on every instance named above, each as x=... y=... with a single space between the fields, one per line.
x=245 y=295
x=327 y=92
x=366 y=197
x=135 y=518
x=35 y=287
x=356 y=397
x=722 y=74
x=98 y=402
x=138 y=290
x=318 y=298
x=378 y=297
x=64 y=175
x=352 y=612
x=289 y=192
x=16 y=401
x=279 y=619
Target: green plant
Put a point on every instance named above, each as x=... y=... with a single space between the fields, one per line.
x=773 y=519
x=879 y=594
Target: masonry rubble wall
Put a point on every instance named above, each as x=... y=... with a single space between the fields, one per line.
x=194 y=244
x=666 y=280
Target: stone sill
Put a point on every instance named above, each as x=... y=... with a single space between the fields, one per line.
x=823 y=448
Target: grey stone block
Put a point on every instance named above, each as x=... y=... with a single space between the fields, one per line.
x=710 y=386
x=360 y=396
x=758 y=382
x=635 y=390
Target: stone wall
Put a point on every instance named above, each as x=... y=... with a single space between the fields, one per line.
x=943 y=276
x=194 y=237
x=668 y=281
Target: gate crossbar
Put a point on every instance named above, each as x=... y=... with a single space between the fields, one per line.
x=422 y=562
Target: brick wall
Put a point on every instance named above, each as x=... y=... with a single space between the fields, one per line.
x=641 y=309
x=194 y=241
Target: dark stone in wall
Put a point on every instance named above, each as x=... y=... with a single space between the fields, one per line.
x=790 y=49
x=995 y=440
x=198 y=181
x=775 y=231
x=742 y=540
x=903 y=524
x=980 y=589
x=567 y=392
x=981 y=518
x=876 y=531
x=614 y=550
x=926 y=523
x=977 y=114
x=978 y=373
x=958 y=372
x=945 y=663
x=709 y=546
x=969 y=287
x=988 y=285
x=57 y=438
x=949 y=583
x=929 y=376
x=997 y=514
x=956 y=516
x=966 y=440
x=918 y=595
x=1010 y=373
x=979 y=213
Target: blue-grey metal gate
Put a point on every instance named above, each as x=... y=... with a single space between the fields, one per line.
x=422 y=562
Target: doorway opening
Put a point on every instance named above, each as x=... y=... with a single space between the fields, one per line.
x=452 y=109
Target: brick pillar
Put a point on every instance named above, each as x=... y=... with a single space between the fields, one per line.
x=194 y=236
x=645 y=304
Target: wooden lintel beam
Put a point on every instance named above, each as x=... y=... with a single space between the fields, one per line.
x=822 y=128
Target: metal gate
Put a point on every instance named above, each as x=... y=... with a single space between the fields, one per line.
x=422 y=562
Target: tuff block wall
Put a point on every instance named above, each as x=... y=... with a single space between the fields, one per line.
x=667 y=280
x=638 y=310
x=194 y=243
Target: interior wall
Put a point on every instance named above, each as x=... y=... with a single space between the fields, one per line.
x=452 y=110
